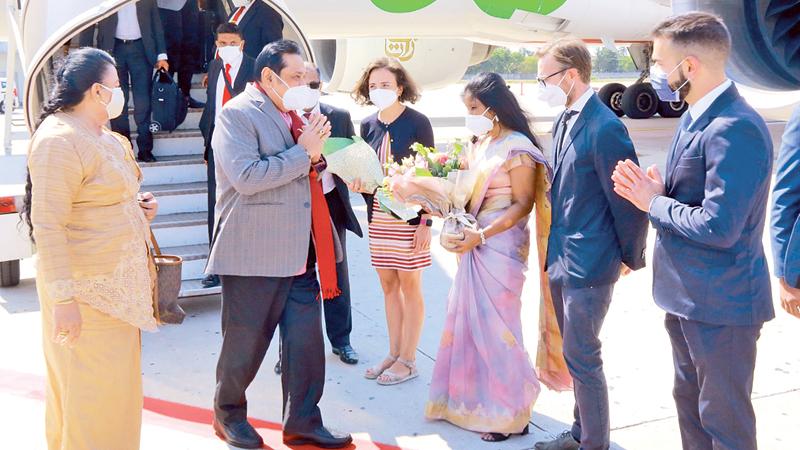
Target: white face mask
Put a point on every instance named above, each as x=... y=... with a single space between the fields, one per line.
x=117 y=102
x=231 y=54
x=479 y=124
x=298 y=97
x=382 y=98
x=553 y=95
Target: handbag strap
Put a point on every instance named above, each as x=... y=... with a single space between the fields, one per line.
x=156 y=248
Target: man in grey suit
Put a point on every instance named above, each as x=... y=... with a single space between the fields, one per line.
x=786 y=217
x=710 y=272
x=269 y=206
x=135 y=37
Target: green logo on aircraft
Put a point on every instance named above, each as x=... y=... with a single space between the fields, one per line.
x=501 y=9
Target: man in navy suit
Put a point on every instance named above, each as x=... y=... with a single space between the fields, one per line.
x=786 y=217
x=228 y=74
x=710 y=271
x=338 y=313
x=135 y=38
x=595 y=235
x=258 y=23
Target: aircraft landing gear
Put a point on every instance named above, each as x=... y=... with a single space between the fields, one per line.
x=639 y=100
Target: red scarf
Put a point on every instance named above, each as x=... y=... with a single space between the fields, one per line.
x=321 y=229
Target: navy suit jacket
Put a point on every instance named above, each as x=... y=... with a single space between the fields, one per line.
x=259 y=26
x=149 y=23
x=786 y=205
x=342 y=214
x=593 y=229
x=215 y=68
x=709 y=262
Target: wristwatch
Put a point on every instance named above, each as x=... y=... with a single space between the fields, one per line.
x=429 y=223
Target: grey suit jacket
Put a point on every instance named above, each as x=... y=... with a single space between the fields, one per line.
x=263 y=213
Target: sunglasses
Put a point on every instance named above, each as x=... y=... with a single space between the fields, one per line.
x=314 y=85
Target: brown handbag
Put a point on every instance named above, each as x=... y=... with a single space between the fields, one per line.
x=167 y=286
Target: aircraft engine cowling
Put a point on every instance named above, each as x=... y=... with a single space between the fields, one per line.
x=766 y=39
x=432 y=63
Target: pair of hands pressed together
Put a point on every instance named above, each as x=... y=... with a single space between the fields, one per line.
x=314 y=135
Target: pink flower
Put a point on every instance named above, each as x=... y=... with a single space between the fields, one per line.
x=442 y=158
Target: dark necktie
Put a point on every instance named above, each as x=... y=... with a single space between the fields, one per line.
x=561 y=133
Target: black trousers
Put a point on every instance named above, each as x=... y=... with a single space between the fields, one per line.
x=135 y=77
x=338 y=313
x=212 y=193
x=181 y=33
x=252 y=307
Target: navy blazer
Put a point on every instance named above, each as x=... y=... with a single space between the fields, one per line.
x=785 y=228
x=149 y=23
x=259 y=26
x=215 y=67
x=709 y=262
x=593 y=229
x=342 y=213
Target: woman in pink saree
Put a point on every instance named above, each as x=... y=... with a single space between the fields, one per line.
x=483 y=379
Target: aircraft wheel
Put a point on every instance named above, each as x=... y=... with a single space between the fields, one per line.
x=611 y=96
x=639 y=101
x=671 y=109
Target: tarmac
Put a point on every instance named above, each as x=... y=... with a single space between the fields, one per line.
x=178 y=362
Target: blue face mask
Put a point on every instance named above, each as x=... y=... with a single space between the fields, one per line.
x=660 y=82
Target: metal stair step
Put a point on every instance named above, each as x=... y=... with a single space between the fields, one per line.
x=194 y=288
x=179 y=220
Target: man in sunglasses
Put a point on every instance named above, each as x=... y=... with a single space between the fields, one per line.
x=595 y=235
x=338 y=316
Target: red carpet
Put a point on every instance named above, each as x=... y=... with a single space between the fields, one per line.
x=171 y=415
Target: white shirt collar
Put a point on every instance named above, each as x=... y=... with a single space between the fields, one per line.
x=701 y=106
x=582 y=100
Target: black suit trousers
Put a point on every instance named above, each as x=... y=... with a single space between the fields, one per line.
x=135 y=77
x=338 y=312
x=252 y=308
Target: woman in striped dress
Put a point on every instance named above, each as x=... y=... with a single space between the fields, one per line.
x=399 y=250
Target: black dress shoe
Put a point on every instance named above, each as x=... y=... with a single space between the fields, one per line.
x=210 y=281
x=146 y=157
x=320 y=437
x=196 y=103
x=346 y=354
x=239 y=434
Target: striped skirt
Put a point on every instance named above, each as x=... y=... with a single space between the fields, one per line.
x=391 y=243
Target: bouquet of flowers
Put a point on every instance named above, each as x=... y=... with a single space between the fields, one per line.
x=354 y=158
x=434 y=182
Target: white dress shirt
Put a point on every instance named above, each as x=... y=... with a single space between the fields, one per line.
x=328 y=183
x=235 y=66
x=699 y=107
x=172 y=5
x=128 y=28
x=239 y=16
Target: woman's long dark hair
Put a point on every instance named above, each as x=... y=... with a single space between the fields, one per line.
x=491 y=89
x=79 y=71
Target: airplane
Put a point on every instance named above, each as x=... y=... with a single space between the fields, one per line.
x=437 y=40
